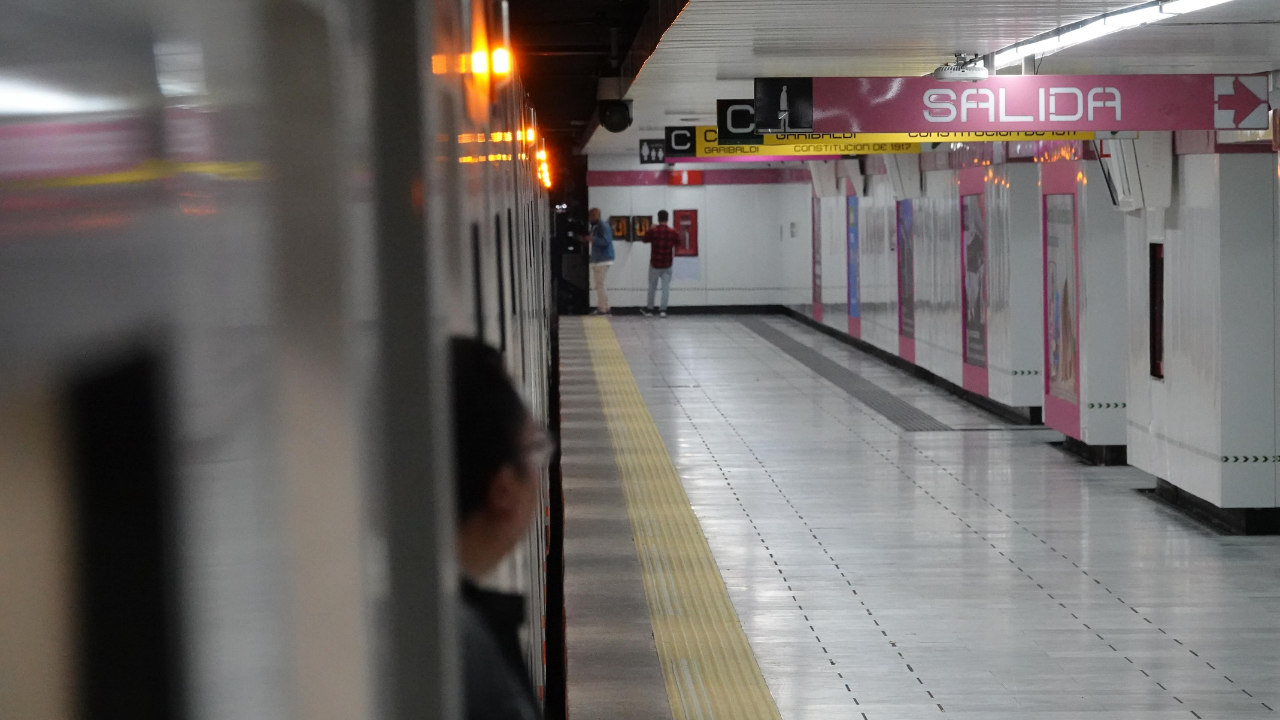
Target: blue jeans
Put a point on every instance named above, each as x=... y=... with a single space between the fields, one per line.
x=663 y=274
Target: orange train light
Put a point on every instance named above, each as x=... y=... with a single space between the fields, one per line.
x=501 y=61
x=480 y=63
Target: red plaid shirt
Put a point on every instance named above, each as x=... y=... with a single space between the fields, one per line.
x=664 y=241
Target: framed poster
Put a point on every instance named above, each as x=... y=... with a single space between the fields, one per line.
x=973 y=287
x=816 y=239
x=973 y=265
x=851 y=225
x=621 y=225
x=906 y=283
x=1062 y=300
x=686 y=226
x=640 y=225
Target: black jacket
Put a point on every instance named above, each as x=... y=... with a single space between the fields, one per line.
x=496 y=681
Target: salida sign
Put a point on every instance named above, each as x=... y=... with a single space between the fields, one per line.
x=1041 y=102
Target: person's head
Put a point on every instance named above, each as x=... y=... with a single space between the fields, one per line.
x=498 y=451
x=662 y=217
x=593 y=214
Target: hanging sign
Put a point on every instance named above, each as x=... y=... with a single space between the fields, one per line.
x=970 y=137
x=798 y=145
x=784 y=104
x=651 y=151
x=736 y=121
x=1040 y=102
x=679 y=141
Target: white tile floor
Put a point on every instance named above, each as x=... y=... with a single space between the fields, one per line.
x=981 y=573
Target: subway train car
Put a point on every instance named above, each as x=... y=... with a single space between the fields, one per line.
x=234 y=238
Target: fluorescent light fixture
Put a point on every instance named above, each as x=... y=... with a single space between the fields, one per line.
x=1136 y=17
x=1177 y=7
x=23 y=97
x=1085 y=33
x=1096 y=27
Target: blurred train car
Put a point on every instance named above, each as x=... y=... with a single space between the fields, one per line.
x=234 y=237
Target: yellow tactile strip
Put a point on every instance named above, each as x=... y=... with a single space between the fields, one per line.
x=710 y=670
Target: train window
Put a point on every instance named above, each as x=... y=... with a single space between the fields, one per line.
x=502 y=295
x=477 y=282
x=123 y=508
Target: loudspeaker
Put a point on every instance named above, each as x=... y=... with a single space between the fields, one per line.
x=615 y=115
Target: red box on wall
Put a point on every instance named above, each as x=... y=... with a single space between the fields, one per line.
x=685 y=223
x=684 y=177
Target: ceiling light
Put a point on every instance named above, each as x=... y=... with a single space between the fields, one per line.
x=1105 y=24
x=1177 y=7
x=21 y=97
x=1134 y=18
x=1085 y=33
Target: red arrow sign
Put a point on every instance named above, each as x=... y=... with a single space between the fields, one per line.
x=1243 y=103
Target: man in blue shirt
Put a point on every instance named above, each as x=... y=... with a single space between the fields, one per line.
x=601 y=257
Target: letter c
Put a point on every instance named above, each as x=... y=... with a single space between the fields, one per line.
x=738 y=110
x=681 y=140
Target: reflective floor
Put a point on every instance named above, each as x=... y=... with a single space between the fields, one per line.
x=978 y=572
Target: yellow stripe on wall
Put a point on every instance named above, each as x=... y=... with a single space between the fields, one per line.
x=711 y=672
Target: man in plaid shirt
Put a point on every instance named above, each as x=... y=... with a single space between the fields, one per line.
x=662 y=241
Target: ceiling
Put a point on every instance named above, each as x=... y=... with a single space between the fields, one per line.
x=563 y=47
x=716 y=47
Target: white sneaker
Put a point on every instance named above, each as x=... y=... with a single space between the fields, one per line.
x=646 y=312
x=662 y=314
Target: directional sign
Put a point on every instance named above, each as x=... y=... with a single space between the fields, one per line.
x=736 y=121
x=679 y=141
x=784 y=104
x=929 y=137
x=798 y=145
x=1039 y=102
x=1240 y=102
x=652 y=151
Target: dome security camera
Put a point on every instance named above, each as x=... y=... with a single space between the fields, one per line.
x=966 y=68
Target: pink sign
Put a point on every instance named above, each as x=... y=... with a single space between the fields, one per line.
x=1037 y=103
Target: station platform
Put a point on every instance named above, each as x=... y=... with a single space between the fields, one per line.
x=762 y=522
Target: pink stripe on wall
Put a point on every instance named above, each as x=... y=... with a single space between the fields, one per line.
x=726 y=176
x=619 y=178
x=755 y=176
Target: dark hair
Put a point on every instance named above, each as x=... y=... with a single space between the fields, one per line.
x=488 y=416
x=662 y=216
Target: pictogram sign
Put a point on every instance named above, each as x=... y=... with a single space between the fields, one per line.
x=1240 y=102
x=652 y=151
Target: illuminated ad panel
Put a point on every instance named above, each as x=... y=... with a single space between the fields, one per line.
x=973 y=271
x=855 y=302
x=1060 y=192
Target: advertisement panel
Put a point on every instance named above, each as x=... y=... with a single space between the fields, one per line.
x=906 y=282
x=1062 y=329
x=1041 y=102
x=851 y=225
x=817 y=258
x=973 y=265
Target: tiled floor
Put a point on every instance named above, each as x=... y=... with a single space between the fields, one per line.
x=978 y=572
